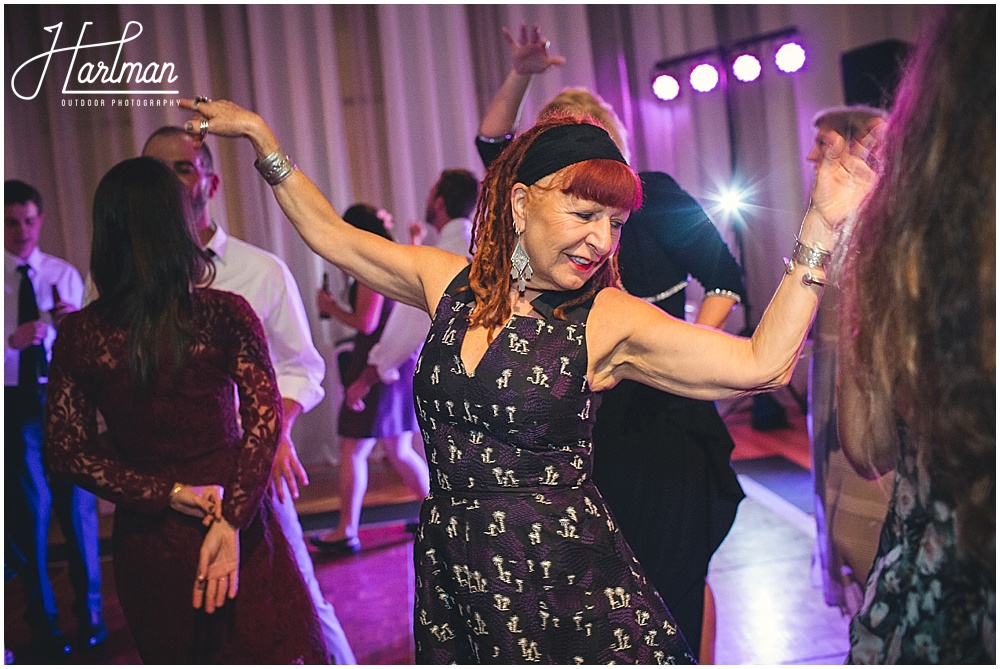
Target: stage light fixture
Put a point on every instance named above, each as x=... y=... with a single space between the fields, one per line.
x=790 y=57
x=746 y=68
x=665 y=87
x=704 y=78
x=736 y=59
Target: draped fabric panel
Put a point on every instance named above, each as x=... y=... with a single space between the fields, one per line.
x=373 y=101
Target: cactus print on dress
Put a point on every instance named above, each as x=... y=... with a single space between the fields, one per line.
x=517 y=557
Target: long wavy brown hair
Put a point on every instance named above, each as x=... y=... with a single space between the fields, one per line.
x=921 y=270
x=145 y=259
x=607 y=182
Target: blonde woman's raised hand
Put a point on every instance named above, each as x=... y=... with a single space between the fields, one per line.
x=529 y=54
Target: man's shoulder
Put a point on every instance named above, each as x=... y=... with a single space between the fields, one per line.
x=223 y=302
x=456 y=236
x=261 y=277
x=246 y=264
x=242 y=251
x=51 y=264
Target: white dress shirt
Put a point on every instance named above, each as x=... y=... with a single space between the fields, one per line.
x=46 y=271
x=407 y=327
x=265 y=281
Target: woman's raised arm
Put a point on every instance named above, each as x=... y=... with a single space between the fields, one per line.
x=410 y=274
x=630 y=339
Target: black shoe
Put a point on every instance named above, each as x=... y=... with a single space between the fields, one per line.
x=94 y=632
x=52 y=644
x=348 y=546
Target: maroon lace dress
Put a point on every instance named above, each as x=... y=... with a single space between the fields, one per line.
x=186 y=431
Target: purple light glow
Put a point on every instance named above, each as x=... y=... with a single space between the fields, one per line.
x=790 y=57
x=704 y=78
x=746 y=68
x=666 y=87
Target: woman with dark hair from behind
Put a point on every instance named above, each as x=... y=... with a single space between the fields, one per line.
x=159 y=357
x=920 y=360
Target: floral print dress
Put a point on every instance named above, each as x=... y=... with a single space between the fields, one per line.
x=924 y=603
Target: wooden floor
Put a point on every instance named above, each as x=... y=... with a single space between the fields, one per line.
x=769 y=611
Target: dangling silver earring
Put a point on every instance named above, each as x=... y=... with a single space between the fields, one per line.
x=520 y=265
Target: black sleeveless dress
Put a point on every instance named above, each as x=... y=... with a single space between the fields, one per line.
x=388 y=408
x=517 y=557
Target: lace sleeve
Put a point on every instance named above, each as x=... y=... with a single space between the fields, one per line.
x=74 y=448
x=260 y=416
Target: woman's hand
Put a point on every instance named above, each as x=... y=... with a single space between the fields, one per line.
x=218 y=567
x=844 y=178
x=418 y=232
x=530 y=53
x=228 y=119
x=27 y=334
x=354 y=396
x=326 y=303
x=202 y=501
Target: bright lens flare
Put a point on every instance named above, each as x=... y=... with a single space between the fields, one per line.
x=731 y=201
x=666 y=87
x=790 y=57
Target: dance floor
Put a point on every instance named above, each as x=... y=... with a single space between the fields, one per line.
x=769 y=610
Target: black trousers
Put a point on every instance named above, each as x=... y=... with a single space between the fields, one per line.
x=30 y=497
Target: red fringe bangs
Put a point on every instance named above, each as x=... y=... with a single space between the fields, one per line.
x=608 y=182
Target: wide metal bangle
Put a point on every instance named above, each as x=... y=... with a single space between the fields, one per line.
x=275 y=168
x=807 y=279
x=815 y=258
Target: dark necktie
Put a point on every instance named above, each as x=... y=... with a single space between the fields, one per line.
x=33 y=363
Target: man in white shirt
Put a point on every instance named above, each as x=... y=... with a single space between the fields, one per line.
x=265 y=281
x=39 y=290
x=450 y=203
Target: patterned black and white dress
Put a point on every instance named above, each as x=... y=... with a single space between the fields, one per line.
x=517 y=557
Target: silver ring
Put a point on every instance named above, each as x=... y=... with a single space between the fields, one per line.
x=873 y=161
x=203 y=127
x=201 y=98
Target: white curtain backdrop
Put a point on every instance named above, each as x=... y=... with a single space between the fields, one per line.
x=373 y=101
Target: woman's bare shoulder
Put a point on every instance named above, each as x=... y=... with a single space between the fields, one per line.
x=439 y=269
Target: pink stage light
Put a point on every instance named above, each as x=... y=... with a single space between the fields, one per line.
x=746 y=68
x=790 y=57
x=666 y=87
x=704 y=78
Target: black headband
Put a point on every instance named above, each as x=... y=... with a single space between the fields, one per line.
x=566 y=145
